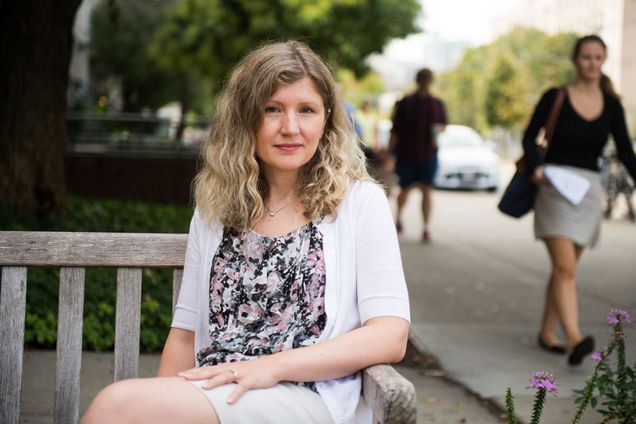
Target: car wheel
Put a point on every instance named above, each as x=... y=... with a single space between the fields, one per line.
x=491 y=189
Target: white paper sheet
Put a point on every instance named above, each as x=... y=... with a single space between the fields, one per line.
x=569 y=184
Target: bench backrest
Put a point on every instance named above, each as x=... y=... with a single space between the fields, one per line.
x=73 y=252
x=391 y=397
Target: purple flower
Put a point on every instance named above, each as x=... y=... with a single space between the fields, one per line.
x=543 y=380
x=616 y=316
x=597 y=356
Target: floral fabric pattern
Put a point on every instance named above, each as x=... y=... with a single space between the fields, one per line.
x=266 y=294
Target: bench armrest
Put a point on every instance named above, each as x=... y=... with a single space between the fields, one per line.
x=390 y=395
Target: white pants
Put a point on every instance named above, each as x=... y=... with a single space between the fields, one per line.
x=285 y=403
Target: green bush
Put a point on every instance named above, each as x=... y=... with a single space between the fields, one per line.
x=99 y=303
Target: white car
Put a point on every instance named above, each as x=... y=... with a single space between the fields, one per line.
x=466 y=160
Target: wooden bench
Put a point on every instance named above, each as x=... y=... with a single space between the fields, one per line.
x=390 y=395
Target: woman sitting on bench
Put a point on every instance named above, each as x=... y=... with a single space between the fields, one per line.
x=293 y=280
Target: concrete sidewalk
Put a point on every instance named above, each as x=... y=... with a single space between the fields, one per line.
x=440 y=399
x=477 y=298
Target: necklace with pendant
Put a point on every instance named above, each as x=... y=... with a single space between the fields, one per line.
x=272 y=213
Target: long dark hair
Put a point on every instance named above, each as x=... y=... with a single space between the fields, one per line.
x=606 y=83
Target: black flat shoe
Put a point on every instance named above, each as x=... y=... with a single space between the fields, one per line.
x=558 y=349
x=584 y=348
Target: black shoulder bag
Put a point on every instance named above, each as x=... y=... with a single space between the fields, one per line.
x=518 y=199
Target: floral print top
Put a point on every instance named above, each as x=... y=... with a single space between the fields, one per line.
x=266 y=294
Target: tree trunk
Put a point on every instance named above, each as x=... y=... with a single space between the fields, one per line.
x=35 y=46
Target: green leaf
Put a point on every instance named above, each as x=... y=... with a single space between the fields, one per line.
x=499 y=83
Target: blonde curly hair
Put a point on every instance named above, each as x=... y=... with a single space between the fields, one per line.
x=230 y=186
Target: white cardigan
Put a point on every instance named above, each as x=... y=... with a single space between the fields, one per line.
x=364 y=279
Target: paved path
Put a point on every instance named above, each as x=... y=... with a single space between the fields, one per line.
x=476 y=295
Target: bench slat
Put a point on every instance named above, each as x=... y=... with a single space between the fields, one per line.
x=69 y=345
x=12 y=310
x=23 y=248
x=390 y=395
x=127 y=323
x=177 y=276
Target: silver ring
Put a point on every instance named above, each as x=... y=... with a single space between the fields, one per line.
x=234 y=372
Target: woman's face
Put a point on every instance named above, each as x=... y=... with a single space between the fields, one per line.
x=291 y=128
x=590 y=60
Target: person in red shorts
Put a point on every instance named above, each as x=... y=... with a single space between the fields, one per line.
x=417 y=119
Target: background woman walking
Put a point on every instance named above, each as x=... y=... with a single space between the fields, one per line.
x=591 y=111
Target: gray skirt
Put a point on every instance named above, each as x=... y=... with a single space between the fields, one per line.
x=556 y=217
x=284 y=403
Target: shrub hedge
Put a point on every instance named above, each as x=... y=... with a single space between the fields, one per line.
x=99 y=303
